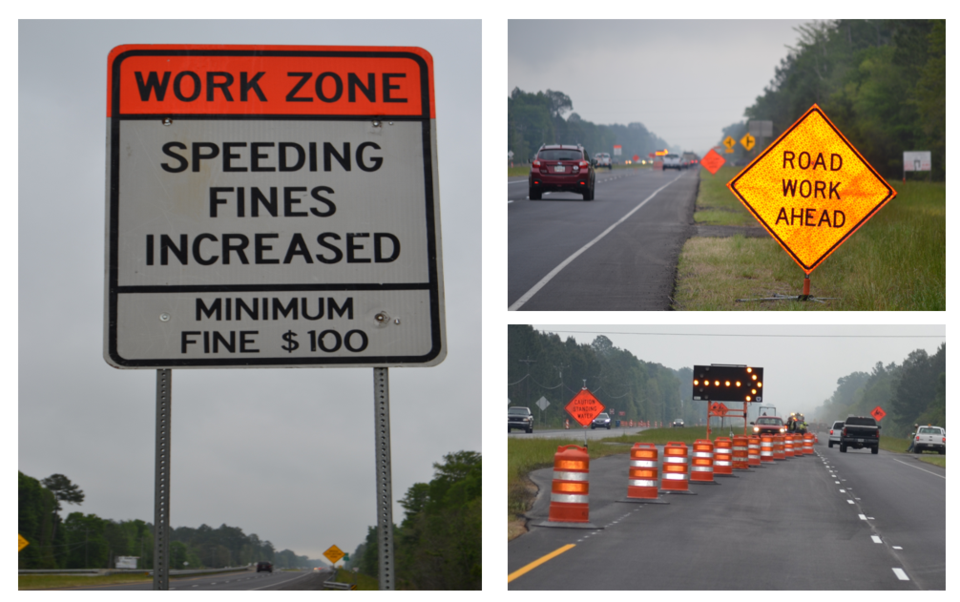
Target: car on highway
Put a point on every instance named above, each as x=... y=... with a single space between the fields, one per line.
x=602 y=421
x=603 y=160
x=768 y=425
x=859 y=432
x=519 y=417
x=264 y=566
x=672 y=161
x=678 y=423
x=930 y=437
x=835 y=431
x=562 y=168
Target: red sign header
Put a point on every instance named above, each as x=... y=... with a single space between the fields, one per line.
x=270 y=80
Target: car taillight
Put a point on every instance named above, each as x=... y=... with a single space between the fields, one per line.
x=944 y=440
x=536 y=163
x=584 y=164
x=831 y=431
x=918 y=437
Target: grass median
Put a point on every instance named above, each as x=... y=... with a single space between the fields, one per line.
x=72 y=581
x=896 y=261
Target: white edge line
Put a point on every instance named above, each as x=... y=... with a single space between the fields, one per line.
x=536 y=288
x=900 y=574
x=918 y=468
x=282 y=582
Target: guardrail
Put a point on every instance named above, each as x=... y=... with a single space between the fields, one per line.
x=331 y=584
x=129 y=571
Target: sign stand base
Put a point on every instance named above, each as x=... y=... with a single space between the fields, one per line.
x=805 y=296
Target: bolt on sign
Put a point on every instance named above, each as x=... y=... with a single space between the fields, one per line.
x=748 y=141
x=334 y=554
x=721 y=382
x=712 y=161
x=584 y=407
x=272 y=206
x=811 y=189
x=878 y=413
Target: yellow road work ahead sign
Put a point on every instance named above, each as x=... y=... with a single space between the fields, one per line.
x=811 y=189
x=333 y=554
x=21 y=543
x=748 y=141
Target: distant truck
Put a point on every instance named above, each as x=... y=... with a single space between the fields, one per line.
x=603 y=160
x=672 y=161
x=859 y=432
x=689 y=159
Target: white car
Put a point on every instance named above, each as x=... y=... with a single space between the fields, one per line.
x=835 y=431
x=930 y=437
x=672 y=161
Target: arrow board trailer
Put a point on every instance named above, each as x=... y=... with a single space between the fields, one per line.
x=272 y=206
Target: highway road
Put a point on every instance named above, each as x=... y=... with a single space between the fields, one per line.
x=575 y=433
x=827 y=521
x=617 y=252
x=241 y=581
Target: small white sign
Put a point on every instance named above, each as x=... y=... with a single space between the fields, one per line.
x=542 y=403
x=916 y=160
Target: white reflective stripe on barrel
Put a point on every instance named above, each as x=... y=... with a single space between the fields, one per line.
x=559 y=475
x=702 y=469
x=641 y=483
x=566 y=498
x=702 y=454
x=675 y=460
x=644 y=463
x=675 y=476
x=721 y=463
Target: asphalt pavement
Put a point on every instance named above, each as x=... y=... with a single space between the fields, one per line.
x=617 y=252
x=827 y=521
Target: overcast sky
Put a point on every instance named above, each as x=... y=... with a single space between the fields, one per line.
x=801 y=364
x=285 y=454
x=684 y=80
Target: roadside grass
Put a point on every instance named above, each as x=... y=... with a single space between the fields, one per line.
x=715 y=204
x=940 y=461
x=68 y=581
x=893 y=444
x=896 y=261
x=364 y=582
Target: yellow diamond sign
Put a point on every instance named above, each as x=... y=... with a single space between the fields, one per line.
x=333 y=554
x=729 y=142
x=748 y=141
x=811 y=189
x=21 y=543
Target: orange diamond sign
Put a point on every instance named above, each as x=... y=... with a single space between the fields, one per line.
x=712 y=161
x=584 y=407
x=878 y=413
x=811 y=189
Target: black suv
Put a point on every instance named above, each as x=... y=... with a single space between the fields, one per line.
x=264 y=566
x=562 y=167
x=519 y=418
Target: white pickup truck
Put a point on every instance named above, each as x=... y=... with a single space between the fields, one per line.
x=930 y=437
x=672 y=161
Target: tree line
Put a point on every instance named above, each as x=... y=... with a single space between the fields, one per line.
x=881 y=82
x=913 y=392
x=88 y=541
x=439 y=543
x=541 y=364
x=538 y=118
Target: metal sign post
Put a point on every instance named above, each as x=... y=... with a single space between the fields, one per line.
x=161 y=483
x=381 y=401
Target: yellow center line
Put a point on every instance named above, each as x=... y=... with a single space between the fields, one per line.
x=538 y=562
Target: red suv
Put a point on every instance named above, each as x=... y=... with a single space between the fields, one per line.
x=562 y=167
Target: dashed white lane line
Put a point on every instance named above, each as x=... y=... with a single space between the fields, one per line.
x=862 y=516
x=850 y=501
x=543 y=282
x=900 y=574
x=896 y=547
x=875 y=538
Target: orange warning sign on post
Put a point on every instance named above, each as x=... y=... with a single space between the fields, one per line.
x=811 y=189
x=878 y=413
x=584 y=407
x=712 y=161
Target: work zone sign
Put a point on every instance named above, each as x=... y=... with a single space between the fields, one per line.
x=811 y=189
x=272 y=206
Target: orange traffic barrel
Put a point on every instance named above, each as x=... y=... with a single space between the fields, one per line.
x=569 y=496
x=740 y=452
x=753 y=450
x=788 y=446
x=766 y=448
x=808 y=443
x=676 y=468
x=702 y=469
x=722 y=457
x=643 y=483
x=778 y=448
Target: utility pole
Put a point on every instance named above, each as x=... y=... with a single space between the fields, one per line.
x=528 y=362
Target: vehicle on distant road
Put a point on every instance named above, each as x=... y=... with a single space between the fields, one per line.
x=603 y=160
x=672 y=161
x=562 y=168
x=678 y=423
x=768 y=425
x=519 y=417
x=602 y=421
x=930 y=437
x=264 y=566
x=859 y=432
x=835 y=433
